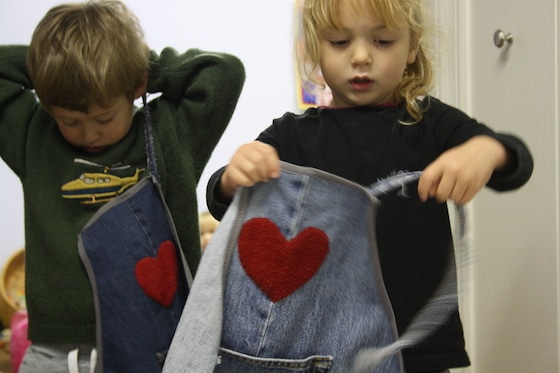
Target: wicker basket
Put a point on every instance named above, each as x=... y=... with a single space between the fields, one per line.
x=12 y=287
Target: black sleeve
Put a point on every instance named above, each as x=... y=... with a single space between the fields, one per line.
x=216 y=206
x=453 y=127
x=521 y=168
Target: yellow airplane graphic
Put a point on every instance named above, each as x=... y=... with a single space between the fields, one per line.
x=93 y=188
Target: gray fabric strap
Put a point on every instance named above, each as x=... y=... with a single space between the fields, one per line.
x=440 y=306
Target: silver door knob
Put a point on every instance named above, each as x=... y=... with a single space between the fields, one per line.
x=501 y=38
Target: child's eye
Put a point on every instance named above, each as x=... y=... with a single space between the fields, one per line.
x=383 y=42
x=339 y=43
x=104 y=121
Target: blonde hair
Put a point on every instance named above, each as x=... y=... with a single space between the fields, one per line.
x=320 y=14
x=87 y=53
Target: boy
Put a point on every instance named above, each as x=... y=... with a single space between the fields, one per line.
x=86 y=64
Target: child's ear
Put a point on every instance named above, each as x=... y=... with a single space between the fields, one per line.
x=141 y=90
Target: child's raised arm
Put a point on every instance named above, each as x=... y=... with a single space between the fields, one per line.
x=202 y=89
x=18 y=104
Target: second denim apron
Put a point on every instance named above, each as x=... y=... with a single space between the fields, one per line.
x=138 y=274
x=291 y=282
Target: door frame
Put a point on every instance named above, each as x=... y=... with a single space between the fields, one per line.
x=453 y=86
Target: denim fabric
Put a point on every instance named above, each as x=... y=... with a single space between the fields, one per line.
x=134 y=330
x=342 y=309
x=195 y=346
x=245 y=312
x=319 y=327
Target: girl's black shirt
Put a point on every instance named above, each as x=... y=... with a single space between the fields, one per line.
x=414 y=238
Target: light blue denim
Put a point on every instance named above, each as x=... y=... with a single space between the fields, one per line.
x=339 y=321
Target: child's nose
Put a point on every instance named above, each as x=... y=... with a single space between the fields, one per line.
x=90 y=134
x=360 y=54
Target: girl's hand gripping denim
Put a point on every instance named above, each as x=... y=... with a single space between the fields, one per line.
x=291 y=283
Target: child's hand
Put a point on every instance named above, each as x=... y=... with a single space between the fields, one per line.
x=461 y=172
x=252 y=163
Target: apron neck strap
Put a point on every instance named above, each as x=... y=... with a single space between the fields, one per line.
x=149 y=137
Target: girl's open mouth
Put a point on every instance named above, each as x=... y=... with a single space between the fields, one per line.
x=361 y=84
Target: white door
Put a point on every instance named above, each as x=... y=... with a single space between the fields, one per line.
x=513 y=305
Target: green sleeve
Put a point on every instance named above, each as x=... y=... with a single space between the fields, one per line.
x=199 y=90
x=18 y=105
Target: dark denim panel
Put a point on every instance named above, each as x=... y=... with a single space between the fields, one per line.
x=134 y=330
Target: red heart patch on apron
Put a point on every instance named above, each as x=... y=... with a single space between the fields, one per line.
x=279 y=266
x=158 y=276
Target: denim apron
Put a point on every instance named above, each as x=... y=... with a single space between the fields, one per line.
x=138 y=273
x=291 y=282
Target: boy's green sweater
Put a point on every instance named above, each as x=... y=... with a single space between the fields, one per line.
x=199 y=91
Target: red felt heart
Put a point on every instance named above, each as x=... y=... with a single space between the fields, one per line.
x=279 y=266
x=158 y=277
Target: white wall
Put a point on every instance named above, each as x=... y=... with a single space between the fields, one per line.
x=257 y=31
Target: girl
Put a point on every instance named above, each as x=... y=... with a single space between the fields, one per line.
x=381 y=120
